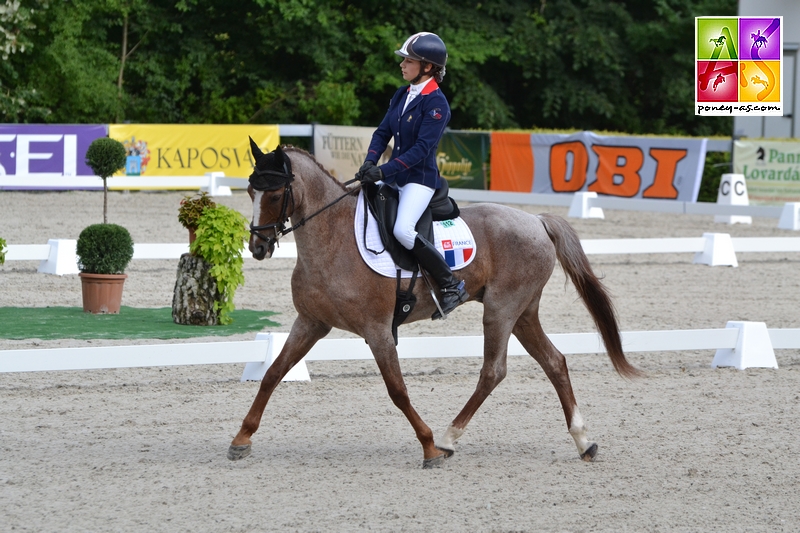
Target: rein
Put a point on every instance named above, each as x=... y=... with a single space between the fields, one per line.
x=279 y=228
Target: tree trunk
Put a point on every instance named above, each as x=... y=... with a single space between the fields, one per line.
x=195 y=293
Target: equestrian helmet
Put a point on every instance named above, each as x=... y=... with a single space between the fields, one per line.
x=424 y=46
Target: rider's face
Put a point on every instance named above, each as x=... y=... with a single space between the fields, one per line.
x=410 y=68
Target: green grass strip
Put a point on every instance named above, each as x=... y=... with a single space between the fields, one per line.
x=49 y=323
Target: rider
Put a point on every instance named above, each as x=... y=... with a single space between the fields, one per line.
x=416 y=119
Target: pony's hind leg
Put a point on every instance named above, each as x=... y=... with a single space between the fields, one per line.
x=305 y=333
x=533 y=338
x=496 y=335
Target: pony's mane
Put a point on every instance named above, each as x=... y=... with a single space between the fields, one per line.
x=288 y=148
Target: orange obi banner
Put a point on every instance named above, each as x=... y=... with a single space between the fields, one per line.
x=191 y=150
x=511 y=162
x=629 y=167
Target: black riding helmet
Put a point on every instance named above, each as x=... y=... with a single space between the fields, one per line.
x=424 y=46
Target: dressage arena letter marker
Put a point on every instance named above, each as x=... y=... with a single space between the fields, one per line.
x=733 y=191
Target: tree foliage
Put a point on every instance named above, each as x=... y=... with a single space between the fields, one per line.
x=589 y=64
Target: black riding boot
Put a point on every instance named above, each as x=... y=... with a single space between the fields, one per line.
x=453 y=291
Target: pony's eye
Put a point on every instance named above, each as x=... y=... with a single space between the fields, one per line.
x=274 y=198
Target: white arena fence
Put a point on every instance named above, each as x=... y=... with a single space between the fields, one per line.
x=581 y=204
x=715 y=249
x=740 y=345
x=590 y=205
x=215 y=183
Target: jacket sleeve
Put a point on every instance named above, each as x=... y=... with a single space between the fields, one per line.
x=435 y=119
x=383 y=134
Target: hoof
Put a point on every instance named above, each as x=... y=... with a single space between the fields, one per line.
x=447 y=451
x=238 y=452
x=436 y=462
x=590 y=453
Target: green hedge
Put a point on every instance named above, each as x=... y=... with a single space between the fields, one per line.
x=104 y=249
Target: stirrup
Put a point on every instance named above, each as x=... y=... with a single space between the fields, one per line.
x=461 y=296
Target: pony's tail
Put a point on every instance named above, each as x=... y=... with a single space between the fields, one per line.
x=592 y=291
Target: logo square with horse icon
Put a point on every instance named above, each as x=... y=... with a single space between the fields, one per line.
x=738 y=60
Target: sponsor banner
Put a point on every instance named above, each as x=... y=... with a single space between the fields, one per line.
x=191 y=150
x=629 y=167
x=46 y=150
x=341 y=149
x=771 y=169
x=739 y=66
x=461 y=159
x=511 y=162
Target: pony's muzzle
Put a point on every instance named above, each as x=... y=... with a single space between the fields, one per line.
x=260 y=248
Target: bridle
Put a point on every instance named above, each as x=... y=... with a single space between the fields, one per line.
x=279 y=228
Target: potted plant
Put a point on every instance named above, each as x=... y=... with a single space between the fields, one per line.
x=191 y=210
x=105 y=156
x=209 y=276
x=104 y=251
x=2 y=251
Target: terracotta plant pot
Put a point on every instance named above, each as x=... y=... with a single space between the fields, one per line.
x=102 y=293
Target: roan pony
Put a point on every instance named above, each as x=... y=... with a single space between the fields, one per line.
x=516 y=254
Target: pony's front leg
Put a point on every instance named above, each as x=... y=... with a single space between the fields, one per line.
x=386 y=356
x=305 y=333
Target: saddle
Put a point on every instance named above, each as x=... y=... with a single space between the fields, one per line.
x=382 y=201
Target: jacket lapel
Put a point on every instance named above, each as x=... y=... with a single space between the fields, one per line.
x=429 y=88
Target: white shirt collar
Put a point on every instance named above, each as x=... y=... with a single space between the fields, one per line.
x=416 y=89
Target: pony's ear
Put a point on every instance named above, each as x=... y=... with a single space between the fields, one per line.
x=255 y=150
x=282 y=160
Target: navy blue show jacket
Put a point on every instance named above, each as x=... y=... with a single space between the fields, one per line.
x=416 y=136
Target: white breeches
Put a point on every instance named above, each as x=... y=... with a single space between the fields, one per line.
x=414 y=199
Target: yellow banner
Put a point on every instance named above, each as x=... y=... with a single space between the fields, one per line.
x=191 y=150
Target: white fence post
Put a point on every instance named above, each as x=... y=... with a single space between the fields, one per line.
x=62 y=259
x=753 y=348
x=256 y=371
x=790 y=216
x=718 y=251
x=581 y=206
x=733 y=191
x=213 y=189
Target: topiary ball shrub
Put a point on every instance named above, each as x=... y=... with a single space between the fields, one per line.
x=105 y=156
x=104 y=249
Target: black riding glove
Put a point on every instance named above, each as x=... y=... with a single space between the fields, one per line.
x=366 y=166
x=372 y=174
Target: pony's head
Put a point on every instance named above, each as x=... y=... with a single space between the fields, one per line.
x=270 y=189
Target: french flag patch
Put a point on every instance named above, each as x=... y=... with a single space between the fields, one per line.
x=457 y=256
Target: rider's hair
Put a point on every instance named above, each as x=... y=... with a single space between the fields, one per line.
x=436 y=72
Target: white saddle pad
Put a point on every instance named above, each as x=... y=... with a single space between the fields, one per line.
x=452 y=238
